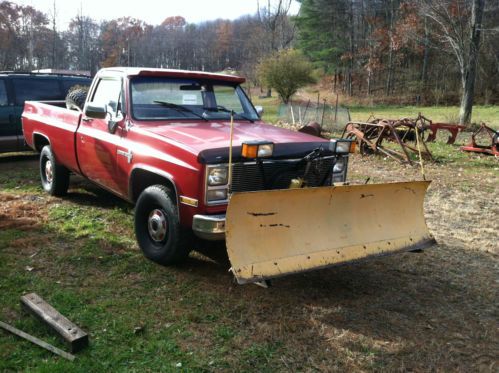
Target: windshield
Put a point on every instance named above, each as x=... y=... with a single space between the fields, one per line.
x=162 y=98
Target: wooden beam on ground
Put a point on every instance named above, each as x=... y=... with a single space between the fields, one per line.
x=36 y=341
x=76 y=338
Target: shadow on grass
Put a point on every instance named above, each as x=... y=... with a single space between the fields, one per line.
x=18 y=157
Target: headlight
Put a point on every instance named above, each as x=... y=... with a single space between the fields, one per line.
x=217 y=175
x=265 y=150
x=216 y=195
x=339 y=165
x=342 y=146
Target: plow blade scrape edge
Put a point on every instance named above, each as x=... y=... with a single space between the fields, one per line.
x=279 y=232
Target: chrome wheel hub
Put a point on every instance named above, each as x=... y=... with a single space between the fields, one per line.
x=157 y=225
x=49 y=171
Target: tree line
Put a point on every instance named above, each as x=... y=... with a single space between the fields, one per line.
x=429 y=51
x=421 y=51
x=30 y=39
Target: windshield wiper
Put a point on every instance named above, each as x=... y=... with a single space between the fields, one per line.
x=225 y=110
x=179 y=108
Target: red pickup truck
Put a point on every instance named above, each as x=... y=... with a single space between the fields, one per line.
x=160 y=139
x=191 y=152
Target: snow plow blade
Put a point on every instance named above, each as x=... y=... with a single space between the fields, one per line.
x=279 y=232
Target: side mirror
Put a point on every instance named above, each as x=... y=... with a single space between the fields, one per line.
x=113 y=123
x=259 y=110
x=96 y=111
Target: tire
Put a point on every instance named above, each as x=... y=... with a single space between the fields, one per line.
x=75 y=100
x=54 y=176
x=157 y=227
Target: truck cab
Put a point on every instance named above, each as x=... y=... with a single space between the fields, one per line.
x=139 y=125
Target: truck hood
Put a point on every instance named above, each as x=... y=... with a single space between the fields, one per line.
x=215 y=135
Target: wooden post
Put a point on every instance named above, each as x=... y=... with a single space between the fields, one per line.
x=336 y=109
x=36 y=341
x=75 y=338
x=323 y=110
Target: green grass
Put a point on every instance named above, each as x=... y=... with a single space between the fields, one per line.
x=270 y=108
x=134 y=326
x=445 y=114
x=451 y=155
x=140 y=316
x=23 y=180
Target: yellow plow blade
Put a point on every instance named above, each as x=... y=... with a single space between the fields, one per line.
x=278 y=232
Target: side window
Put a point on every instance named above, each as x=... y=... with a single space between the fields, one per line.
x=108 y=92
x=4 y=101
x=227 y=97
x=36 y=89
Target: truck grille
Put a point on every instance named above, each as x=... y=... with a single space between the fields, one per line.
x=248 y=177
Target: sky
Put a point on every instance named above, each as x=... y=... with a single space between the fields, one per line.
x=150 y=11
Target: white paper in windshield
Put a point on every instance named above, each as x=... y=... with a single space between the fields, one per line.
x=189 y=100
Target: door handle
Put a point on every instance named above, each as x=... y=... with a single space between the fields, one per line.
x=82 y=139
x=87 y=119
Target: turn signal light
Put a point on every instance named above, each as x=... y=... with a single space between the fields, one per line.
x=249 y=151
x=353 y=146
x=257 y=149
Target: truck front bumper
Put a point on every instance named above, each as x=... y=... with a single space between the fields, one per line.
x=209 y=227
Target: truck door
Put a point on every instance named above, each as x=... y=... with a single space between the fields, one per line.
x=8 y=135
x=96 y=146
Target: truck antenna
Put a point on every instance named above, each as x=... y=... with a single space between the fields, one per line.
x=230 y=152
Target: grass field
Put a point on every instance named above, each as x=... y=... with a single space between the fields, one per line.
x=443 y=114
x=435 y=311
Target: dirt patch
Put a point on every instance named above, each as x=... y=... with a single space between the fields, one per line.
x=21 y=211
x=461 y=207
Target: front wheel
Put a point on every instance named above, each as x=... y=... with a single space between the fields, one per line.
x=54 y=176
x=157 y=227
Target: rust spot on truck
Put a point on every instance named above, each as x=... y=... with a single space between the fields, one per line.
x=366 y=195
x=261 y=213
x=274 y=225
x=410 y=190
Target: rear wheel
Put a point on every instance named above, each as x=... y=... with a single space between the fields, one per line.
x=157 y=227
x=54 y=176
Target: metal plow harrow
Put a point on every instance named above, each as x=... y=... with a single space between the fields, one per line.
x=376 y=135
x=484 y=133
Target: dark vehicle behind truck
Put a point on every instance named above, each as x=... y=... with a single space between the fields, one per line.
x=18 y=87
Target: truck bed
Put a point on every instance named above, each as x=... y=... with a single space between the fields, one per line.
x=52 y=120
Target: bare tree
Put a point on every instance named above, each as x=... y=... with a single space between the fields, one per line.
x=460 y=23
x=275 y=21
x=473 y=49
x=81 y=37
x=53 y=16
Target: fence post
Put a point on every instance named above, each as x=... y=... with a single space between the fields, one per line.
x=323 y=110
x=336 y=110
